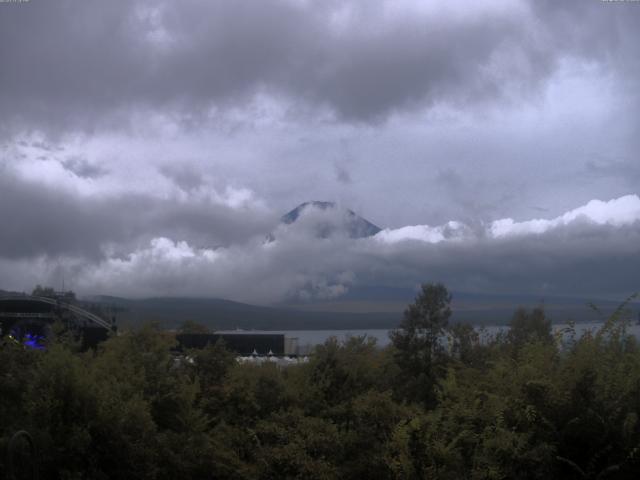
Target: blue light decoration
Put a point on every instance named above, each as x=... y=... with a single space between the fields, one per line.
x=33 y=341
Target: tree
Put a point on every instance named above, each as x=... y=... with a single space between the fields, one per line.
x=339 y=372
x=292 y=445
x=419 y=352
x=465 y=344
x=528 y=327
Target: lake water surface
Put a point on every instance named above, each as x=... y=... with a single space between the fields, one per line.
x=311 y=338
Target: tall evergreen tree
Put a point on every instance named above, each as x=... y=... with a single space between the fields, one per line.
x=419 y=352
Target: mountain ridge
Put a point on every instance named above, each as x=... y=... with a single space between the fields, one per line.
x=478 y=309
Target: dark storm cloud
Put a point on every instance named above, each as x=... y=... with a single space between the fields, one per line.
x=574 y=259
x=81 y=167
x=183 y=176
x=43 y=221
x=597 y=30
x=80 y=64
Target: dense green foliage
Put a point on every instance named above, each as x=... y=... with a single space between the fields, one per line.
x=526 y=404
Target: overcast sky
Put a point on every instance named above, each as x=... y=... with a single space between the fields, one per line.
x=147 y=147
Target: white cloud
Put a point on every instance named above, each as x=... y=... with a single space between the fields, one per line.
x=617 y=212
x=452 y=230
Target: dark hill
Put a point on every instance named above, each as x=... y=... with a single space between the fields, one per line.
x=365 y=308
x=226 y=314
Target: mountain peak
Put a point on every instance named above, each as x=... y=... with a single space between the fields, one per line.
x=346 y=220
x=293 y=215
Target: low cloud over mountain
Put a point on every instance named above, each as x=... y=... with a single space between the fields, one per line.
x=329 y=219
x=590 y=250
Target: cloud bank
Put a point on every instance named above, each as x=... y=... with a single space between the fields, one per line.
x=593 y=249
x=87 y=64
